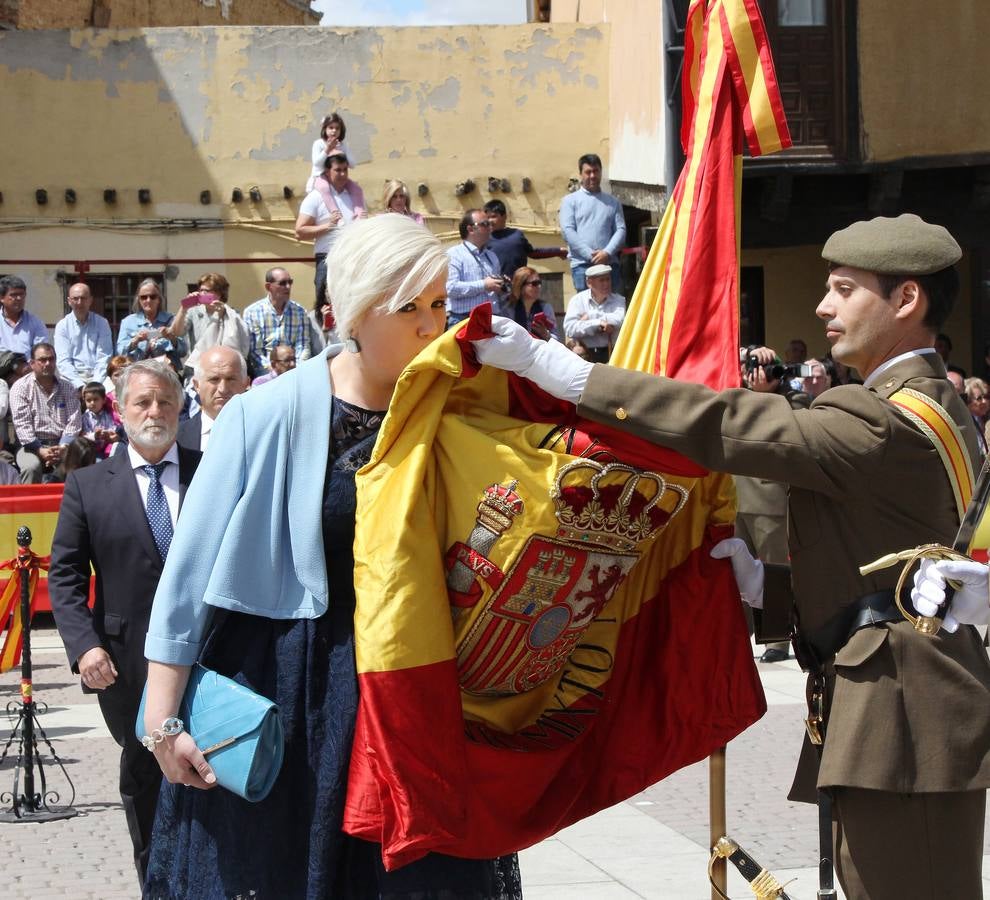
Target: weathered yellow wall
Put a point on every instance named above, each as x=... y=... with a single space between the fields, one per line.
x=158 y=13
x=794 y=283
x=923 y=78
x=637 y=109
x=184 y=110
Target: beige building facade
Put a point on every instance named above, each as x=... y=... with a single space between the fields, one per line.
x=36 y=14
x=203 y=136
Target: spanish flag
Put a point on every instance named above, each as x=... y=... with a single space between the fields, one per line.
x=34 y=506
x=540 y=631
x=683 y=319
x=520 y=668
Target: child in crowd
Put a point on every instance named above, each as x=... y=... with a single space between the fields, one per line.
x=330 y=141
x=101 y=424
x=114 y=367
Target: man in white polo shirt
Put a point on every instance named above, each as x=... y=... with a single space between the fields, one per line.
x=334 y=202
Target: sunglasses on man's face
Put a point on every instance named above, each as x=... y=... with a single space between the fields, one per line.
x=285 y=282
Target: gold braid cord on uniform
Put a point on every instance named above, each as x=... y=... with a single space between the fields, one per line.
x=762 y=882
x=927 y=625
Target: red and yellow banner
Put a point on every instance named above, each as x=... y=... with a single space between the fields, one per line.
x=540 y=631
x=35 y=506
x=683 y=319
x=10 y=603
x=520 y=667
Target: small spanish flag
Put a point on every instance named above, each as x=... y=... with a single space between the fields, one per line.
x=34 y=506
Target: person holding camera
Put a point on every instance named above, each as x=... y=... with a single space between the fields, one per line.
x=475 y=274
x=761 y=516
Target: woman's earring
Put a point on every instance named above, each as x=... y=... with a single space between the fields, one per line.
x=351 y=345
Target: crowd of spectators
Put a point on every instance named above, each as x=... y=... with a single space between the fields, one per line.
x=58 y=396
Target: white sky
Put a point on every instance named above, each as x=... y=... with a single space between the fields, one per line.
x=421 y=12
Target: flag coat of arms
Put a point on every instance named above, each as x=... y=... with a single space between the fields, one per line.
x=519 y=667
x=540 y=631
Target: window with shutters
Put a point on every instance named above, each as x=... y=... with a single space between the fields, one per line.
x=808 y=42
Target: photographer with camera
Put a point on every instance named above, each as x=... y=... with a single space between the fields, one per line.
x=475 y=274
x=761 y=516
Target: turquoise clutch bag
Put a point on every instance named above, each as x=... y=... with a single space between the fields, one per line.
x=238 y=731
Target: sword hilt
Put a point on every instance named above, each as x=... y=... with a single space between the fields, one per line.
x=926 y=625
x=761 y=881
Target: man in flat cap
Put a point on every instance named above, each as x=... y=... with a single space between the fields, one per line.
x=906 y=723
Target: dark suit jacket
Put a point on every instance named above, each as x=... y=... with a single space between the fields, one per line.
x=909 y=714
x=102 y=522
x=190 y=432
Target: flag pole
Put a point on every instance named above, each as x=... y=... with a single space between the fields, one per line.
x=716 y=818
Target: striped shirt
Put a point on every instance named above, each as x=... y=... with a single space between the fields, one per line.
x=469 y=267
x=267 y=328
x=41 y=418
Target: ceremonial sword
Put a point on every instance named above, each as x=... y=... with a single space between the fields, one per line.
x=930 y=625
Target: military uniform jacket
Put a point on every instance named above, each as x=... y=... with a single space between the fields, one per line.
x=908 y=713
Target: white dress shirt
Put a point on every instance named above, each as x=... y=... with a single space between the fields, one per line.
x=893 y=361
x=205 y=427
x=169 y=478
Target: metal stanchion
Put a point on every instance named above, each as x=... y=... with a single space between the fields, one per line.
x=31 y=805
x=716 y=818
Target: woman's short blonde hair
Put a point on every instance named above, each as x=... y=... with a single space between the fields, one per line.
x=393 y=187
x=380 y=263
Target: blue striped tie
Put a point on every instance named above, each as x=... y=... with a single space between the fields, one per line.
x=159 y=517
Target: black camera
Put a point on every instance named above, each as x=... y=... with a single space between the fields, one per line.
x=777 y=371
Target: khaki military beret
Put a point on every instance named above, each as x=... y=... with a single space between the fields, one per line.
x=907 y=245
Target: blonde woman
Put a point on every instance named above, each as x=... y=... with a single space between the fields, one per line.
x=277 y=613
x=395 y=199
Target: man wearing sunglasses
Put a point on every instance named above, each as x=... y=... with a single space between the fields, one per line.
x=475 y=274
x=275 y=319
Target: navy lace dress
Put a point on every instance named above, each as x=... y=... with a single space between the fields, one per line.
x=212 y=845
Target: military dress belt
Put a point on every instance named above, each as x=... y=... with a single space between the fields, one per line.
x=814 y=650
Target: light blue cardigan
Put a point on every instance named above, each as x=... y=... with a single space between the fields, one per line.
x=249 y=537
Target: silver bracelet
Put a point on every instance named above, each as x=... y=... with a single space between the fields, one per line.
x=169 y=728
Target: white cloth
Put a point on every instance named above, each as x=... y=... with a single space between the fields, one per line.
x=314 y=207
x=971 y=602
x=747 y=570
x=548 y=364
x=205 y=330
x=169 y=478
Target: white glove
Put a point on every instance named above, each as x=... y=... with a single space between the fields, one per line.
x=747 y=570
x=548 y=364
x=971 y=602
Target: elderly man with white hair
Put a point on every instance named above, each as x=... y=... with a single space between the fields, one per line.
x=220 y=373
x=117 y=519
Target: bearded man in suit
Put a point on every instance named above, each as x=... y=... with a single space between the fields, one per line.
x=118 y=517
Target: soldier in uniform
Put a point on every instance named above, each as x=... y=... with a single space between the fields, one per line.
x=905 y=759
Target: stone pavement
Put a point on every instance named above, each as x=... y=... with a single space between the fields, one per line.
x=652 y=846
